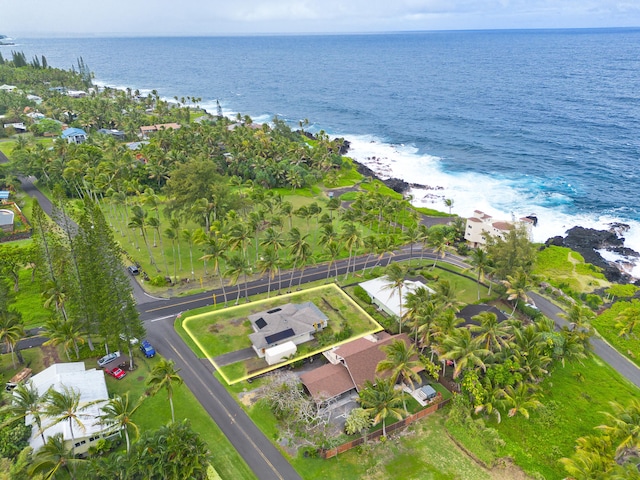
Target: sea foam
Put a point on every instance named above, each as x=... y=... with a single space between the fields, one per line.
x=504 y=198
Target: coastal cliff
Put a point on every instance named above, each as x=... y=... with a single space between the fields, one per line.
x=588 y=241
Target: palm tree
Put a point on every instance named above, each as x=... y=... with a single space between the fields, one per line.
x=66 y=333
x=401 y=361
x=448 y=202
x=624 y=427
x=215 y=248
x=411 y=236
x=24 y=401
x=352 y=240
x=520 y=399
x=439 y=242
x=480 y=262
x=188 y=236
x=628 y=319
x=395 y=277
x=11 y=331
x=237 y=265
x=464 y=351
x=490 y=400
x=139 y=220
x=493 y=334
x=269 y=263
x=53 y=456
x=56 y=295
x=165 y=375
x=517 y=287
x=65 y=406
x=334 y=249
x=381 y=400
x=118 y=412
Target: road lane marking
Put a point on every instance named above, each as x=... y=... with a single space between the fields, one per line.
x=177 y=304
x=164 y=318
x=227 y=412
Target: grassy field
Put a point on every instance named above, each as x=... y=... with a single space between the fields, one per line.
x=566 y=267
x=424 y=451
x=155 y=412
x=227 y=330
x=30 y=302
x=574 y=398
x=605 y=323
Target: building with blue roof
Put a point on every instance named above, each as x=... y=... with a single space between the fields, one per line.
x=74 y=135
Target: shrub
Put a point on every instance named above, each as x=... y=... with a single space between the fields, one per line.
x=361 y=294
x=158 y=281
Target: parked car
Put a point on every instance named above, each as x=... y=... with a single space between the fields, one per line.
x=133 y=269
x=147 y=349
x=108 y=358
x=117 y=373
x=132 y=340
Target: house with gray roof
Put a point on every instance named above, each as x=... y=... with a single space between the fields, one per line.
x=292 y=322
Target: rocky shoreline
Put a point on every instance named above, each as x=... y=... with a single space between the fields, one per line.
x=585 y=241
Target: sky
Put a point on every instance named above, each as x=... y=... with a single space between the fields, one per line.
x=45 y=18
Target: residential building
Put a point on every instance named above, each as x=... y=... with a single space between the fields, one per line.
x=148 y=130
x=386 y=298
x=480 y=224
x=74 y=135
x=92 y=388
x=350 y=366
x=296 y=323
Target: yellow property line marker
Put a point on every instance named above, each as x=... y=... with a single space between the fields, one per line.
x=333 y=286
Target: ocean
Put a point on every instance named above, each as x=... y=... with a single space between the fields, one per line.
x=512 y=123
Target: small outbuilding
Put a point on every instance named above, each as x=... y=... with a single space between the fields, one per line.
x=279 y=353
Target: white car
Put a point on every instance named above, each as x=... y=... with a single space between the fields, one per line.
x=108 y=358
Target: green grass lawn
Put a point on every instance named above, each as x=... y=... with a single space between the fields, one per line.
x=155 y=412
x=423 y=452
x=29 y=301
x=605 y=323
x=223 y=331
x=32 y=359
x=574 y=397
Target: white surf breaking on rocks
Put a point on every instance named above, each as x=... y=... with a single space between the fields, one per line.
x=501 y=197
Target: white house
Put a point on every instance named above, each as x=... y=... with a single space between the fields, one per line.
x=387 y=298
x=92 y=387
x=480 y=224
x=289 y=323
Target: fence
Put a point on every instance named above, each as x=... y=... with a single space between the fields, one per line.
x=332 y=452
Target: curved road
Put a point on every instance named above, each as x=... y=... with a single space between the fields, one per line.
x=263 y=458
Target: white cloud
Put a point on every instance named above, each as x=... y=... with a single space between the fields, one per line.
x=212 y=17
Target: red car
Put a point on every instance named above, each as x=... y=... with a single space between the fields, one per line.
x=117 y=373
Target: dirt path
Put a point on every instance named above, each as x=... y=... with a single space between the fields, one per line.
x=50 y=355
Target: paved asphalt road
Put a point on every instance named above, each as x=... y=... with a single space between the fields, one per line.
x=601 y=348
x=261 y=456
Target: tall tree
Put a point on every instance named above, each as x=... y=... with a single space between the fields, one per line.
x=402 y=362
x=11 y=331
x=25 y=401
x=381 y=400
x=118 y=412
x=395 y=275
x=164 y=375
x=65 y=406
